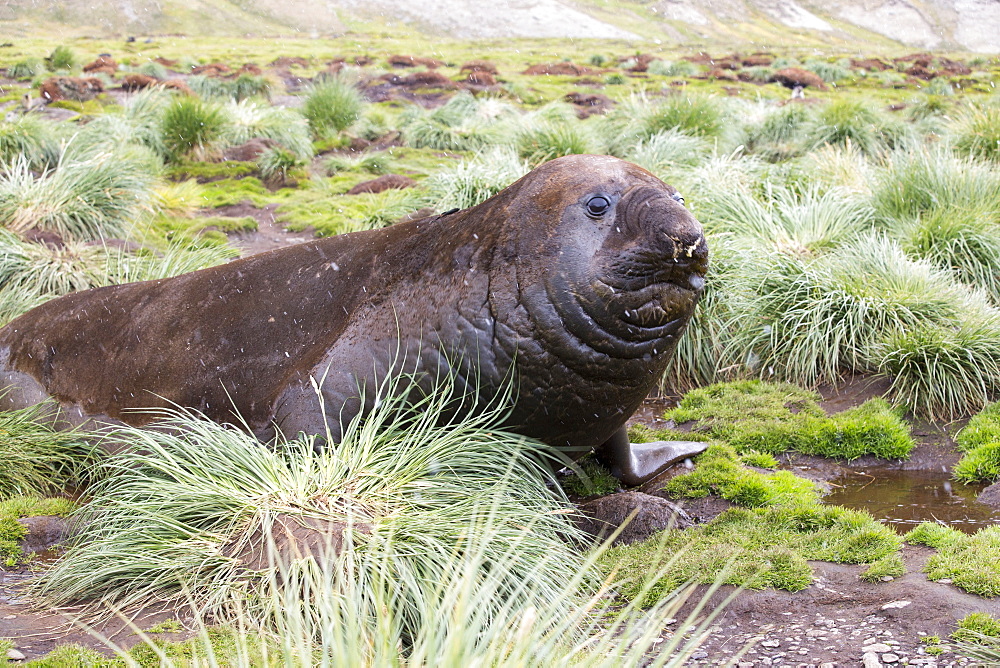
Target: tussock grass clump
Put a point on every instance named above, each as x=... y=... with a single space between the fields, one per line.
x=373 y=163
x=61 y=58
x=546 y=140
x=674 y=68
x=277 y=162
x=465 y=123
x=932 y=534
x=32 y=273
x=332 y=106
x=829 y=72
x=969 y=560
x=821 y=316
x=403 y=491
x=668 y=149
x=640 y=117
x=476 y=180
x=243 y=87
x=26 y=69
x=773 y=418
x=35 y=459
x=192 y=129
x=976 y=132
x=756 y=548
x=80 y=199
x=943 y=370
x=248 y=120
x=800 y=223
x=846 y=121
x=781 y=132
x=30 y=139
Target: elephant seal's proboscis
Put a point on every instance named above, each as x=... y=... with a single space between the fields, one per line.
x=573 y=285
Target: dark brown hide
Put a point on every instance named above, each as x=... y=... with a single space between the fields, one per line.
x=581 y=309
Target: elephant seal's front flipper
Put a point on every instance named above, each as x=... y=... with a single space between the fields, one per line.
x=636 y=463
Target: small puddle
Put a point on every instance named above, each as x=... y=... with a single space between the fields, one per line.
x=904 y=499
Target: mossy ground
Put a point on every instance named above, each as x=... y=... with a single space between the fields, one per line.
x=968 y=560
x=775 y=417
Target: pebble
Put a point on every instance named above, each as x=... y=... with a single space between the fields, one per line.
x=771 y=643
x=827 y=664
x=700 y=655
x=944 y=581
x=890 y=658
x=744 y=664
x=10 y=617
x=877 y=648
x=896 y=604
x=14 y=655
x=887 y=578
x=870 y=660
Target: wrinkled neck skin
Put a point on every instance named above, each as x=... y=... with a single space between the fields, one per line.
x=576 y=314
x=597 y=321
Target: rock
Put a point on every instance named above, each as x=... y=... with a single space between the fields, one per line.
x=44 y=531
x=250 y=151
x=383 y=183
x=890 y=658
x=877 y=647
x=896 y=604
x=990 y=496
x=603 y=516
x=771 y=643
x=870 y=660
x=15 y=655
x=887 y=578
x=827 y=664
x=700 y=655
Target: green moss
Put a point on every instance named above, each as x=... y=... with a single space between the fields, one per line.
x=718 y=471
x=233 y=191
x=891 y=565
x=980 y=440
x=200 y=231
x=761 y=460
x=590 y=479
x=75 y=656
x=969 y=561
x=978 y=627
x=755 y=548
x=932 y=534
x=328 y=214
x=205 y=172
x=776 y=417
x=726 y=403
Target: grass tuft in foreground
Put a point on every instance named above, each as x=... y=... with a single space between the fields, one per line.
x=401 y=492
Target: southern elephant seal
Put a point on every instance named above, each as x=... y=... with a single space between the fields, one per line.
x=576 y=281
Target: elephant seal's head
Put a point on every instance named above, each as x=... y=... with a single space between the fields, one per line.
x=609 y=269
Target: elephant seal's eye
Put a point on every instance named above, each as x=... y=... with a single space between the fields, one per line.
x=598 y=205
x=677 y=197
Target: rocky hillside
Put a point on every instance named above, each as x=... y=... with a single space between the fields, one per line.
x=966 y=25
